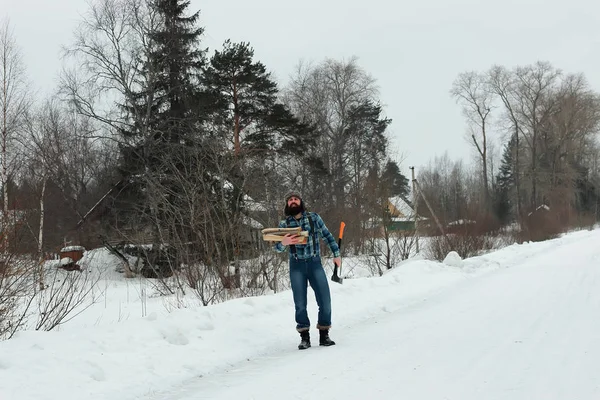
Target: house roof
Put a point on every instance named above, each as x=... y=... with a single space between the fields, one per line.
x=400 y=207
x=246 y=220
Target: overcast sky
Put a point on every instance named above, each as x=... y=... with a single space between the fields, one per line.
x=413 y=49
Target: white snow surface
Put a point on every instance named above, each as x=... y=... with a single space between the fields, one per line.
x=453 y=259
x=519 y=323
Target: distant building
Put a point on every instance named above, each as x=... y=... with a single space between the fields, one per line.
x=402 y=214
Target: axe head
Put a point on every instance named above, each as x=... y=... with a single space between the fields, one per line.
x=335 y=277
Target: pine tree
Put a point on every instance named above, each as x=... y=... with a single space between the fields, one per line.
x=247 y=102
x=505 y=183
x=170 y=90
x=171 y=100
x=248 y=114
x=178 y=61
x=395 y=180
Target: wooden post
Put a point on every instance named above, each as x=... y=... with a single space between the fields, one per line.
x=437 y=221
x=415 y=203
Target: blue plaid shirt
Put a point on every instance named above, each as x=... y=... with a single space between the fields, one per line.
x=311 y=248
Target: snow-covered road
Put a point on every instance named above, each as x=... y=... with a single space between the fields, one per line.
x=520 y=323
x=527 y=332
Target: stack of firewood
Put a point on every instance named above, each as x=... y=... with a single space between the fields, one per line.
x=277 y=234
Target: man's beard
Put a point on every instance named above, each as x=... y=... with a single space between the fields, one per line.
x=294 y=209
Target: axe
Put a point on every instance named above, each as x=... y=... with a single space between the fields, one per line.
x=335 y=277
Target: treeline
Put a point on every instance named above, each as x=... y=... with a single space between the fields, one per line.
x=151 y=138
x=545 y=176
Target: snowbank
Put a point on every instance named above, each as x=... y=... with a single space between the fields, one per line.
x=139 y=356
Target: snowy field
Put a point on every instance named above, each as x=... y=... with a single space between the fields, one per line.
x=518 y=323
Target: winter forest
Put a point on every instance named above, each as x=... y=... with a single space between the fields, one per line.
x=172 y=157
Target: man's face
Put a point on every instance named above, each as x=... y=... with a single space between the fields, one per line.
x=294 y=206
x=293 y=201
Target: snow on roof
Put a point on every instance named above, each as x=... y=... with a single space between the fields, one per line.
x=251 y=222
x=402 y=206
x=253 y=205
x=72 y=248
x=402 y=219
x=462 y=222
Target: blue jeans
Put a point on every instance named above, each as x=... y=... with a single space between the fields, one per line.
x=311 y=271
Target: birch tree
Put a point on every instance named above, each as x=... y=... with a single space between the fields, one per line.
x=14 y=102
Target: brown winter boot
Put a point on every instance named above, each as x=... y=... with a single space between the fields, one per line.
x=305 y=340
x=324 y=339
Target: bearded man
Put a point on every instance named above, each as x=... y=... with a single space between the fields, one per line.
x=306 y=267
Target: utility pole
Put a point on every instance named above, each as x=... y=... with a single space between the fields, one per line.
x=417 y=191
x=415 y=204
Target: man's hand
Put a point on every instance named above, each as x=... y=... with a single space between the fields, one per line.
x=290 y=239
x=338 y=261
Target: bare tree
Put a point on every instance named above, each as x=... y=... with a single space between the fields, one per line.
x=536 y=105
x=14 y=102
x=472 y=91
x=109 y=50
x=68 y=294
x=17 y=293
x=547 y=113
x=504 y=85
x=566 y=141
x=201 y=242
x=60 y=150
x=444 y=182
x=549 y=116
x=337 y=98
x=387 y=251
